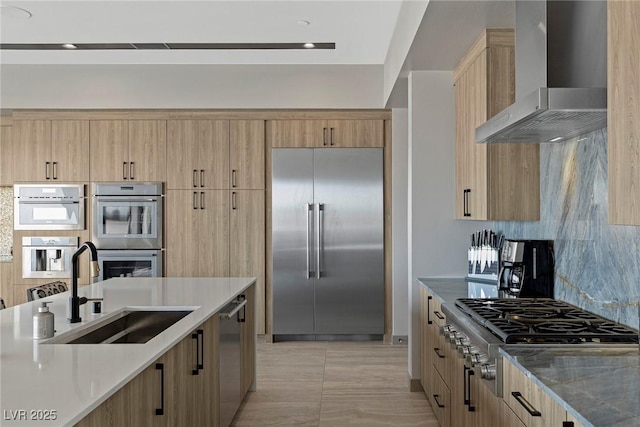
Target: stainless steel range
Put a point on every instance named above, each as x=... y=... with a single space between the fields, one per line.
x=479 y=327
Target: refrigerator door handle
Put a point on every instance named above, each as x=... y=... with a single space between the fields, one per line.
x=309 y=213
x=319 y=241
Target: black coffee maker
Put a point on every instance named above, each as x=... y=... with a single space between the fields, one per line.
x=526 y=269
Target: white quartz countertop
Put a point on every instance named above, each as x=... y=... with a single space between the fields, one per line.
x=73 y=379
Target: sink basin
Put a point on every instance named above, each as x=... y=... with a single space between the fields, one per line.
x=128 y=327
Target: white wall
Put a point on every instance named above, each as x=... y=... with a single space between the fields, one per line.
x=399 y=179
x=437 y=243
x=190 y=86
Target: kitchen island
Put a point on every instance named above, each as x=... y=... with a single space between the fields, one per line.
x=60 y=384
x=590 y=385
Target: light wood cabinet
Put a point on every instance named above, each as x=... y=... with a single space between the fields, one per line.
x=247 y=154
x=198 y=154
x=248 y=342
x=440 y=400
x=6 y=283
x=532 y=405
x=51 y=150
x=6 y=155
x=623 y=111
x=128 y=150
x=198 y=229
x=247 y=244
x=498 y=181
x=327 y=133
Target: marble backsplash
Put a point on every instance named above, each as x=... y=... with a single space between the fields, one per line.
x=6 y=222
x=597 y=264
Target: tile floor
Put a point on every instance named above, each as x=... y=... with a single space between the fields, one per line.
x=333 y=384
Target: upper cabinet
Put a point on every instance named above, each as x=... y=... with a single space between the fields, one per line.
x=623 y=111
x=327 y=133
x=496 y=181
x=247 y=154
x=128 y=150
x=51 y=150
x=6 y=154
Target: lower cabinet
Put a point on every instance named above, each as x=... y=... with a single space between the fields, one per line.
x=182 y=387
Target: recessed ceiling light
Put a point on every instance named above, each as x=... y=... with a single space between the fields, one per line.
x=303 y=22
x=14 y=12
x=69 y=46
x=557 y=138
x=309 y=45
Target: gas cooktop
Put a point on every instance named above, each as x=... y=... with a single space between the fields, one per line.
x=544 y=321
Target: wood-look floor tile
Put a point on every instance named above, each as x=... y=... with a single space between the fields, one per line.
x=382 y=374
x=290 y=373
x=278 y=414
x=397 y=412
x=364 y=390
x=286 y=391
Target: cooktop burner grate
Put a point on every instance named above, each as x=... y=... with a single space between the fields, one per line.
x=544 y=321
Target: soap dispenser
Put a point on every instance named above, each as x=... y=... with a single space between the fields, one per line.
x=43 y=322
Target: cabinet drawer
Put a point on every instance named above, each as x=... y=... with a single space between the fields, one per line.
x=435 y=312
x=440 y=400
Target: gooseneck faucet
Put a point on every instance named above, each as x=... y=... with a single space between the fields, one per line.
x=74 y=301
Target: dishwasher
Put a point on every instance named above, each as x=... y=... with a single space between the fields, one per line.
x=231 y=316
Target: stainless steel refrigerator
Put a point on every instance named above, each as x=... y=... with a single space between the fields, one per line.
x=327 y=243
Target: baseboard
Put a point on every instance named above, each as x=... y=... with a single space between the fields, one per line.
x=414 y=385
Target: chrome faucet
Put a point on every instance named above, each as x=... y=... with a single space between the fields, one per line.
x=74 y=301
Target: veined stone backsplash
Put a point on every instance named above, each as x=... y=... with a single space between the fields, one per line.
x=6 y=222
x=597 y=264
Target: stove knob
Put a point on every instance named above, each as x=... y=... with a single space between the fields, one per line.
x=460 y=341
x=446 y=329
x=467 y=350
x=488 y=371
x=475 y=359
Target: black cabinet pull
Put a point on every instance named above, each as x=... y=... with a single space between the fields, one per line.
x=233 y=178
x=202 y=200
x=195 y=200
x=437 y=351
x=324 y=137
x=160 y=367
x=568 y=424
x=429 y=321
x=438 y=315
x=131 y=165
x=124 y=170
x=46 y=170
x=521 y=400
x=201 y=361
x=233 y=201
x=468 y=375
x=196 y=371
x=242 y=319
x=55 y=170
x=331 y=137
x=201 y=177
x=195 y=178
x=465 y=386
x=435 y=397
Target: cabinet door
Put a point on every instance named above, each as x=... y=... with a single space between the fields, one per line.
x=210 y=402
x=70 y=150
x=134 y=404
x=508 y=418
x=247 y=243
x=182 y=154
x=212 y=250
x=248 y=343
x=440 y=400
x=7 y=158
x=623 y=112
x=247 y=154
x=213 y=154
x=180 y=383
x=32 y=150
x=183 y=237
x=109 y=150
x=355 y=133
x=147 y=150
x=487 y=406
x=462 y=90
x=299 y=133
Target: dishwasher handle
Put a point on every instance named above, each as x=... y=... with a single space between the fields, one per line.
x=229 y=315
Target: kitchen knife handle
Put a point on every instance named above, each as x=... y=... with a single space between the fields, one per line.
x=521 y=400
x=160 y=367
x=308 y=210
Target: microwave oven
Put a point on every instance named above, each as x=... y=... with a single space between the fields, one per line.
x=48 y=206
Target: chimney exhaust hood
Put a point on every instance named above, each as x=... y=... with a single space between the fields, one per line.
x=561 y=74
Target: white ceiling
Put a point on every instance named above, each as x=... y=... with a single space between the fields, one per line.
x=361 y=29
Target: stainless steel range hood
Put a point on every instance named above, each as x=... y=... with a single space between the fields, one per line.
x=561 y=74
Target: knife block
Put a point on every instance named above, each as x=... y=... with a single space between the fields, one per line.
x=490 y=272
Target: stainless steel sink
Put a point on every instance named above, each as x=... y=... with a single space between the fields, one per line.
x=128 y=327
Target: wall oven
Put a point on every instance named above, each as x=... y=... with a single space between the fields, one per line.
x=129 y=263
x=48 y=206
x=127 y=216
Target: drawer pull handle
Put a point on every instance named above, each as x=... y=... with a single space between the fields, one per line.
x=160 y=367
x=521 y=400
x=438 y=315
x=435 y=397
x=437 y=350
x=429 y=321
